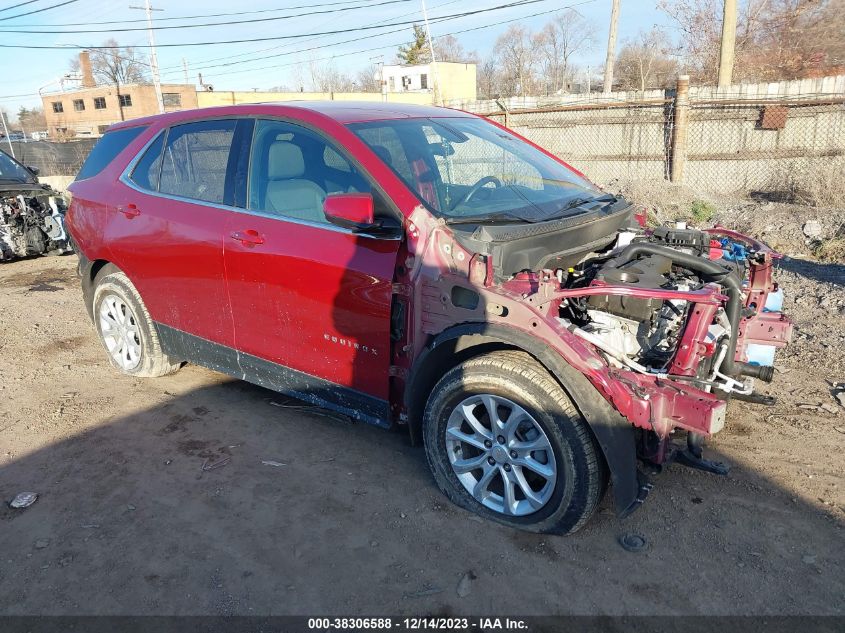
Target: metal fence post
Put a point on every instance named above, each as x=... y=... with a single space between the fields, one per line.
x=679 y=129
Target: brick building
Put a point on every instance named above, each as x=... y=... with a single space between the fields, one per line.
x=89 y=110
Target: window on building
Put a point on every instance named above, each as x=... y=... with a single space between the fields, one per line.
x=424 y=81
x=78 y=105
x=195 y=160
x=58 y=107
x=124 y=100
x=99 y=103
x=171 y=99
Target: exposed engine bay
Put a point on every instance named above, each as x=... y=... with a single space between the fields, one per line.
x=681 y=318
x=31 y=223
x=643 y=331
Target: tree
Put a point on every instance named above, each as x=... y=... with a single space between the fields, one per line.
x=776 y=39
x=32 y=120
x=417 y=52
x=369 y=79
x=644 y=62
x=518 y=61
x=556 y=43
x=116 y=65
x=487 y=79
x=448 y=49
x=327 y=78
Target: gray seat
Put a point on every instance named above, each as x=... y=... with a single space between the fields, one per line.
x=288 y=193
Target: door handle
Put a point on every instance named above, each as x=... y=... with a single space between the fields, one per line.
x=249 y=237
x=130 y=211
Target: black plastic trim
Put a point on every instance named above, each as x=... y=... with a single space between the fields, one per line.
x=317 y=391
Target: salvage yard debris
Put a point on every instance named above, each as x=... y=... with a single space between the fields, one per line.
x=23 y=500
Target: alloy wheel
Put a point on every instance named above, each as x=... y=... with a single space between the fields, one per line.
x=501 y=455
x=119 y=329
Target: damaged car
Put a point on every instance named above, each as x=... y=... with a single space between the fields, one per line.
x=427 y=268
x=31 y=214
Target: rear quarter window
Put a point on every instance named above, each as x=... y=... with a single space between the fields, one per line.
x=107 y=149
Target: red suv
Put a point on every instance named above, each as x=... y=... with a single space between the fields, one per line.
x=425 y=267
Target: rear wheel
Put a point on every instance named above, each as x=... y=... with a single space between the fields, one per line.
x=126 y=330
x=505 y=441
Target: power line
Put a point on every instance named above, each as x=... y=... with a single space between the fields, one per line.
x=283 y=37
x=198 y=26
x=355 y=52
x=186 y=17
x=20 y=15
x=278 y=46
x=395 y=44
x=19 y=4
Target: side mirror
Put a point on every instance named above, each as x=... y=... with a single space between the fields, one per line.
x=34 y=170
x=351 y=211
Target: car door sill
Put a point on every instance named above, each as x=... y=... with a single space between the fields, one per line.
x=259 y=371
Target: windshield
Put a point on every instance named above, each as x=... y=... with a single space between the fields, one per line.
x=13 y=170
x=467 y=168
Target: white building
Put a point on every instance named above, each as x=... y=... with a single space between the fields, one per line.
x=454 y=80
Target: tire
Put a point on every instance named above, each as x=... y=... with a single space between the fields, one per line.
x=524 y=394
x=134 y=348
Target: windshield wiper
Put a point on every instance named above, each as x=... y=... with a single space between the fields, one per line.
x=577 y=202
x=486 y=219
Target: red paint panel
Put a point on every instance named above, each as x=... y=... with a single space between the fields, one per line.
x=173 y=252
x=313 y=299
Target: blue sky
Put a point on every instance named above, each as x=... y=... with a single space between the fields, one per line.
x=276 y=62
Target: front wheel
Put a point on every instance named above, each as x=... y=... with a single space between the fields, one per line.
x=505 y=441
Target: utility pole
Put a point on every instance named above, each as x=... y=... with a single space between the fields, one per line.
x=185 y=68
x=726 y=51
x=148 y=9
x=437 y=93
x=6 y=132
x=379 y=59
x=611 y=48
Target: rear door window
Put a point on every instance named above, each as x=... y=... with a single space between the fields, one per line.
x=107 y=149
x=195 y=161
x=148 y=169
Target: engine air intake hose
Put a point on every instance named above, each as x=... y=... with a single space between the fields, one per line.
x=710 y=271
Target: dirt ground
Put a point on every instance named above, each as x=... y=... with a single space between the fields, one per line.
x=345 y=519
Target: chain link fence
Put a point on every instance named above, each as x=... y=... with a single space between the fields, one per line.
x=606 y=141
x=51 y=158
x=770 y=147
x=730 y=145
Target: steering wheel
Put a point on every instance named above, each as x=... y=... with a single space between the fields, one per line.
x=474 y=189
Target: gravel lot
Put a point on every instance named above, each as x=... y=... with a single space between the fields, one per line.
x=350 y=522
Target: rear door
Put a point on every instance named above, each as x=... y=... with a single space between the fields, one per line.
x=310 y=300
x=171 y=218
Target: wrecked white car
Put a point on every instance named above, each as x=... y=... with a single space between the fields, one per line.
x=31 y=214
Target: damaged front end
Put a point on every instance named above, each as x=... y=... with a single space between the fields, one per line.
x=31 y=222
x=32 y=215
x=665 y=323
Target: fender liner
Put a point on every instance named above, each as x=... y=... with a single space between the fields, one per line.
x=614 y=434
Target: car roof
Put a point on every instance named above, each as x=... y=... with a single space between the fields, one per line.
x=339 y=111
